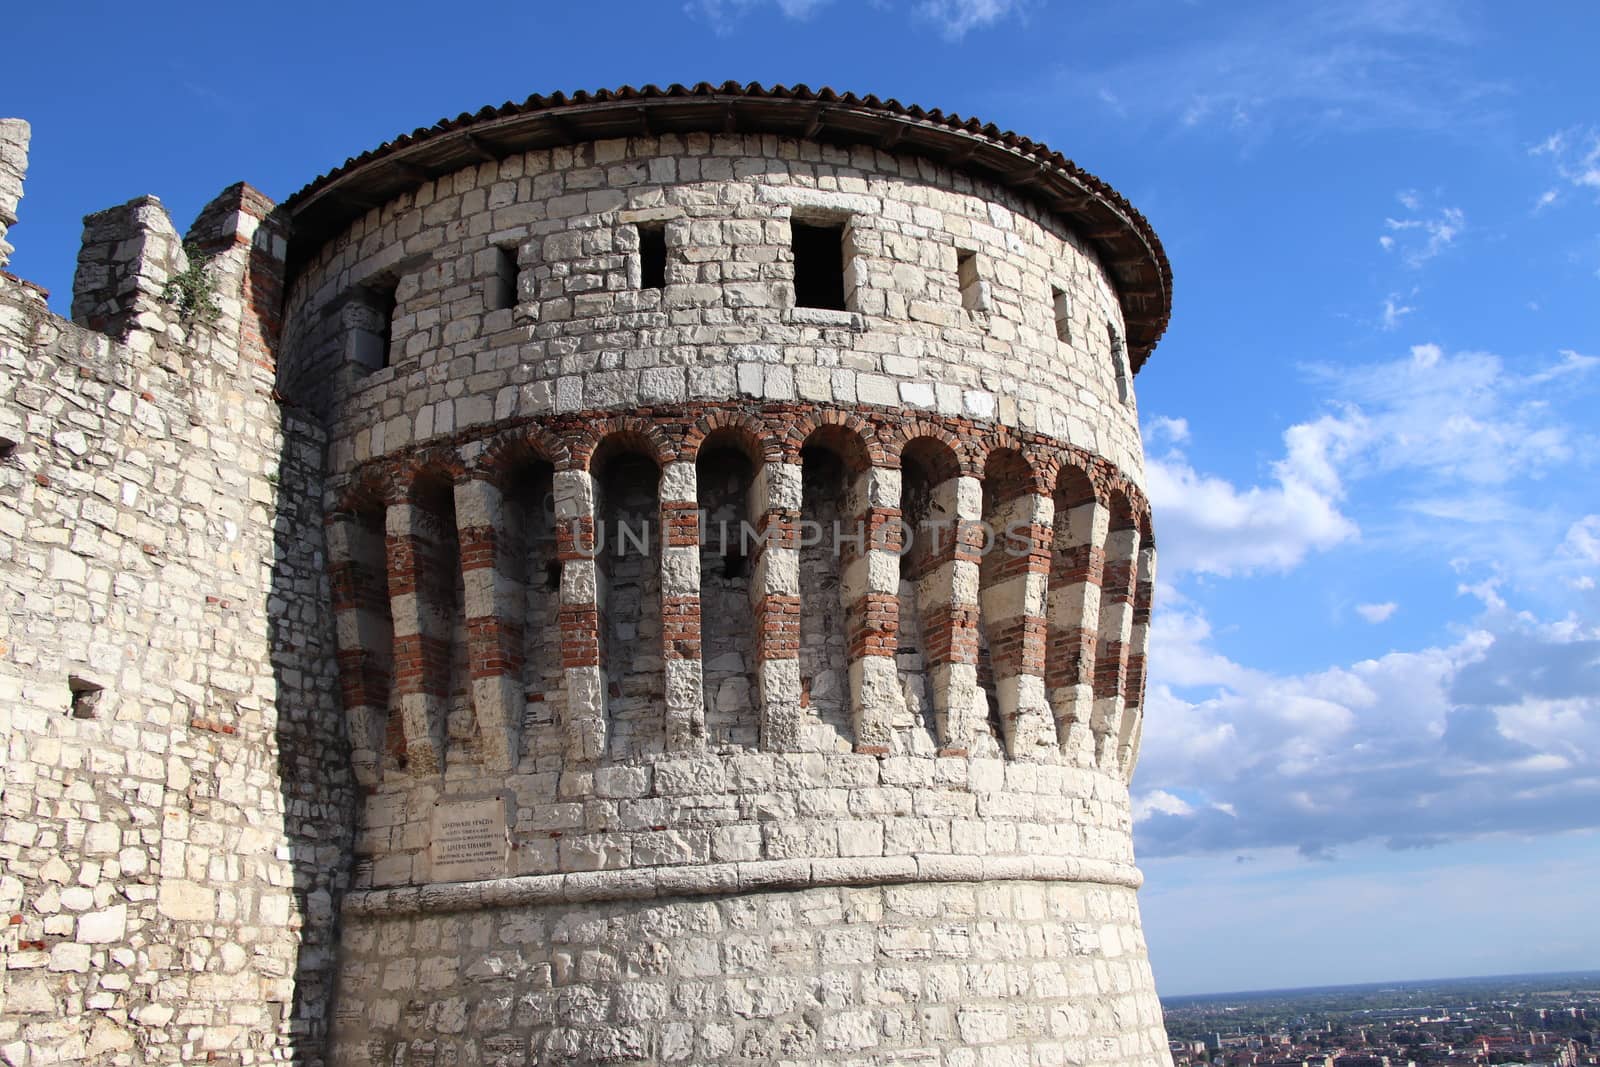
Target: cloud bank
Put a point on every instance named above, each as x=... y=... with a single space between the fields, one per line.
x=1499 y=732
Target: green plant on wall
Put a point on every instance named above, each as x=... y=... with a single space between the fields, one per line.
x=192 y=292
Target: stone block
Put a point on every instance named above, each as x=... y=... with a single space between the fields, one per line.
x=186 y=901
x=106 y=926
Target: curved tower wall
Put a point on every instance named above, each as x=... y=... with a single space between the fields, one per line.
x=585 y=336
x=770 y=803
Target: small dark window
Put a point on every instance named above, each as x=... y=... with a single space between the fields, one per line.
x=973 y=297
x=503 y=287
x=1119 y=362
x=1063 y=313
x=384 y=306
x=735 y=565
x=372 y=328
x=7 y=447
x=552 y=577
x=653 y=257
x=819 y=265
x=85 y=698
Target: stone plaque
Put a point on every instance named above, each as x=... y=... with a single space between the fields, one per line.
x=469 y=840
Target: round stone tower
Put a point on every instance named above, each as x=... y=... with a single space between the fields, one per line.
x=742 y=579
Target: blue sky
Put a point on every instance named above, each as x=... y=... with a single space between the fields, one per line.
x=1373 y=741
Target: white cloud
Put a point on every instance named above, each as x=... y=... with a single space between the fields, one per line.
x=1583 y=539
x=1161 y=428
x=1487 y=591
x=1210 y=526
x=1424 y=234
x=1575 y=154
x=1459 y=418
x=1393 y=309
x=954 y=18
x=1571 y=363
x=957 y=17
x=723 y=15
x=1458 y=436
x=1497 y=732
x=1346 y=65
x=1376 y=613
x=1158 y=801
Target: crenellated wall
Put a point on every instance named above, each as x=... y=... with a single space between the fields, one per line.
x=176 y=814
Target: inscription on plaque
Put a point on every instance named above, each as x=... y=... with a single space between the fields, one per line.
x=469 y=840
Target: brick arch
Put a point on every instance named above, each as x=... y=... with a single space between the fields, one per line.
x=1009 y=462
x=513 y=449
x=1123 y=514
x=1079 y=458
x=942 y=459
x=846 y=433
x=1103 y=477
x=618 y=435
x=918 y=436
x=1000 y=441
x=372 y=490
x=424 y=478
x=1074 y=483
x=1147 y=537
x=441 y=464
x=1046 y=461
x=1112 y=481
x=753 y=436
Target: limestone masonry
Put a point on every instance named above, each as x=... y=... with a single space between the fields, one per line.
x=659 y=576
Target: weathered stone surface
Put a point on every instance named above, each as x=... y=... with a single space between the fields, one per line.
x=103 y=927
x=754 y=800
x=168 y=699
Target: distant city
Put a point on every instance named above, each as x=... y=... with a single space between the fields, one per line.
x=1544 y=1019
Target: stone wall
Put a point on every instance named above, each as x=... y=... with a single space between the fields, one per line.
x=763 y=804
x=584 y=334
x=14 y=135
x=827 y=802
x=962 y=974
x=176 y=809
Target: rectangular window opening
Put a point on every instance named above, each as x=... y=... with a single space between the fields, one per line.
x=818 y=264
x=371 y=342
x=653 y=257
x=1119 y=362
x=85 y=698
x=974 y=297
x=7 y=448
x=1063 y=313
x=503 y=290
x=385 y=307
